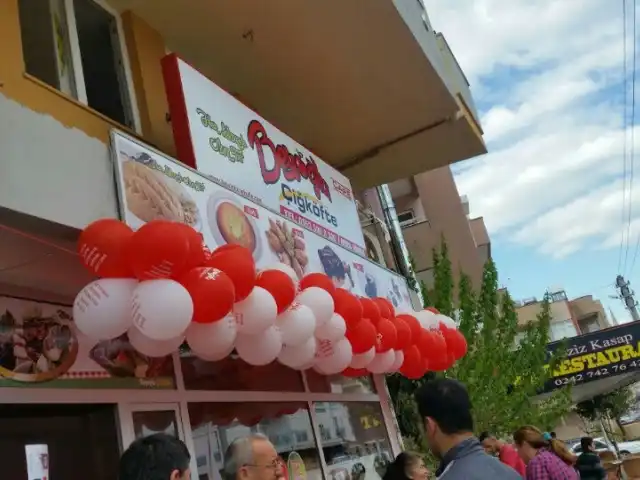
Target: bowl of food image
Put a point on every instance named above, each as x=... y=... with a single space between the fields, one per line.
x=230 y=224
x=151 y=195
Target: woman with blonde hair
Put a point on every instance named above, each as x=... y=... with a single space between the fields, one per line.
x=546 y=457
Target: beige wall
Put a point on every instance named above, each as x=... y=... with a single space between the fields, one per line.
x=440 y=200
x=529 y=313
x=585 y=306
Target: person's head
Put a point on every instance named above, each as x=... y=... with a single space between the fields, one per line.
x=407 y=466
x=156 y=457
x=587 y=444
x=252 y=458
x=529 y=440
x=445 y=408
x=490 y=443
x=553 y=435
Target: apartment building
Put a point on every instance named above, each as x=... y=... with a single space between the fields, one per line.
x=569 y=317
x=77 y=74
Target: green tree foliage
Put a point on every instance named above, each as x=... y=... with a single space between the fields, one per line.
x=608 y=406
x=504 y=368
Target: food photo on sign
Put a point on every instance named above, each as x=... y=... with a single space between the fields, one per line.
x=594 y=356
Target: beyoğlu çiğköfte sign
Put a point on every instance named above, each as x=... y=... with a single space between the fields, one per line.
x=597 y=355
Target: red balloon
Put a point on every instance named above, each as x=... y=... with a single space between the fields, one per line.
x=355 y=372
x=442 y=363
x=387 y=337
x=412 y=367
x=432 y=310
x=279 y=285
x=212 y=293
x=432 y=346
x=404 y=333
x=392 y=309
x=227 y=247
x=348 y=306
x=414 y=326
x=319 y=280
x=103 y=247
x=159 y=249
x=383 y=305
x=239 y=266
x=456 y=343
x=370 y=310
x=362 y=337
x=198 y=251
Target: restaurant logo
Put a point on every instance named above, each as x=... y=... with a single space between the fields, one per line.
x=293 y=167
x=306 y=204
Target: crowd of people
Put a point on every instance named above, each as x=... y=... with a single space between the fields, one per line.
x=445 y=408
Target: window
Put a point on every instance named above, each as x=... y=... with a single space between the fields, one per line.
x=558 y=296
x=560 y=330
x=338 y=383
x=357 y=447
x=287 y=425
x=75 y=47
x=407 y=217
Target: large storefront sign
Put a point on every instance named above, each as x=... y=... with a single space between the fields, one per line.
x=229 y=142
x=40 y=346
x=153 y=186
x=597 y=355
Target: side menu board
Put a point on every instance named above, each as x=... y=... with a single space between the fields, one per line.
x=154 y=186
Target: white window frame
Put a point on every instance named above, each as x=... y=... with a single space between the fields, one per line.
x=130 y=101
x=407 y=222
x=133 y=400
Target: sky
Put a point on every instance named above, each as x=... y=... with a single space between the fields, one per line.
x=547 y=79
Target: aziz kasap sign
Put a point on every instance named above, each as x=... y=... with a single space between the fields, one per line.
x=593 y=356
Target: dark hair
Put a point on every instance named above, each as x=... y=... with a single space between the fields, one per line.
x=483 y=436
x=585 y=443
x=537 y=440
x=553 y=434
x=154 y=458
x=447 y=402
x=397 y=470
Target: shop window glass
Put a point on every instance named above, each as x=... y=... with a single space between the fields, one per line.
x=354 y=440
x=147 y=423
x=287 y=425
x=232 y=373
x=338 y=384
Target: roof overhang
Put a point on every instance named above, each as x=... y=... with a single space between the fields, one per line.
x=357 y=83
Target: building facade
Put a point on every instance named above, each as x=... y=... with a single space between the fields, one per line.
x=76 y=71
x=569 y=317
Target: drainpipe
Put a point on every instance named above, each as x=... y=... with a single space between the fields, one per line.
x=398 y=245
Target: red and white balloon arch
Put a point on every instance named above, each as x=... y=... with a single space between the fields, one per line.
x=162 y=286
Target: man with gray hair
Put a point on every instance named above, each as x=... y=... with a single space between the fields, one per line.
x=252 y=458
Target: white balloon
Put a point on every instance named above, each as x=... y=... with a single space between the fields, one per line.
x=397 y=362
x=361 y=360
x=333 y=330
x=153 y=348
x=427 y=319
x=299 y=356
x=333 y=357
x=102 y=309
x=255 y=313
x=286 y=269
x=260 y=349
x=447 y=321
x=161 y=309
x=297 y=324
x=212 y=341
x=382 y=362
x=319 y=301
